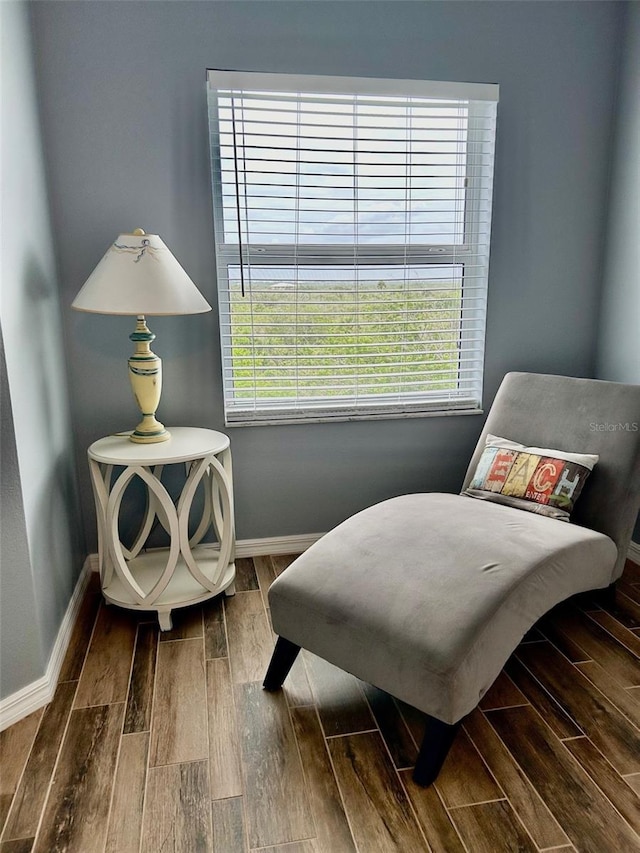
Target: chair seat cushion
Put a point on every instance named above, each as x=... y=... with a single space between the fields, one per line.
x=427 y=595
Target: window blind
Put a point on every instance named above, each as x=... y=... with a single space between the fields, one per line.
x=352 y=222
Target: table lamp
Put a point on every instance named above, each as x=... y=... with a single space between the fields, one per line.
x=138 y=275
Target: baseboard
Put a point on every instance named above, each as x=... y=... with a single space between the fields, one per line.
x=272 y=545
x=33 y=696
x=298 y=543
x=275 y=545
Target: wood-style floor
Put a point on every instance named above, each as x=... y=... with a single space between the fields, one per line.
x=157 y=743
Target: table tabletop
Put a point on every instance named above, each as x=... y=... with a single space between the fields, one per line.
x=186 y=443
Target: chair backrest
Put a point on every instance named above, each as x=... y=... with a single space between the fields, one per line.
x=583 y=416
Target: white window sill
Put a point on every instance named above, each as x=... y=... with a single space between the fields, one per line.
x=272 y=419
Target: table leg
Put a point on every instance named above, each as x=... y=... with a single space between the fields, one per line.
x=164 y=620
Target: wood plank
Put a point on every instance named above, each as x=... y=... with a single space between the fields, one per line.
x=633 y=780
x=631 y=590
x=621 y=697
x=631 y=571
x=80 y=636
x=433 y=817
x=93 y=584
x=623 y=635
x=280 y=562
x=610 y=783
x=341 y=704
x=622 y=608
x=17 y=845
x=246 y=577
x=503 y=693
x=600 y=646
x=15 y=746
x=489 y=827
x=277 y=808
x=415 y=721
x=105 y=675
x=562 y=640
x=597 y=717
x=179 y=717
x=266 y=576
x=530 y=808
x=332 y=828
x=34 y=785
x=394 y=731
x=376 y=804
x=249 y=636
x=296 y=687
x=177 y=814
x=125 y=820
x=533 y=635
x=137 y=716
x=589 y=600
x=308 y=846
x=215 y=635
x=77 y=810
x=540 y=698
x=187 y=624
x=229 y=834
x=464 y=778
x=224 y=749
x=588 y=818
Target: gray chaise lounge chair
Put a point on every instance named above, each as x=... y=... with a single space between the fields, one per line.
x=427 y=595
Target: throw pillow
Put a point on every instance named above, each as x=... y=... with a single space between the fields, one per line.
x=535 y=479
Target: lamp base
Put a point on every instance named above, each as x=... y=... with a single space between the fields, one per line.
x=145 y=374
x=149 y=431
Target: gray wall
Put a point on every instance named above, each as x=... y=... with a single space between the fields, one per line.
x=20 y=647
x=125 y=129
x=619 y=332
x=41 y=553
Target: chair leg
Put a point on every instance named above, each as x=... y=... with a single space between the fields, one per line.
x=438 y=737
x=282 y=660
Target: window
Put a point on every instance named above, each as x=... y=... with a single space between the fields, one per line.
x=352 y=220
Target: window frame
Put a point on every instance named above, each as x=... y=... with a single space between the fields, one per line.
x=232 y=254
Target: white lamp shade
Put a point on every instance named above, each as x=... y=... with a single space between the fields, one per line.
x=139 y=275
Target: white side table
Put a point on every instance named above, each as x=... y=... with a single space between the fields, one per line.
x=187 y=571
